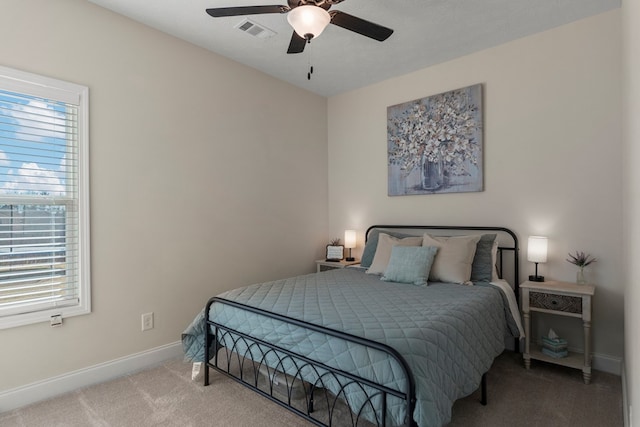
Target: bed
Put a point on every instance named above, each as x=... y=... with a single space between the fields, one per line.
x=394 y=341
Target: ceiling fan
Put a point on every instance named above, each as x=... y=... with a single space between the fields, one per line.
x=308 y=19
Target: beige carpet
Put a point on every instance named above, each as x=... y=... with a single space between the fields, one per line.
x=546 y=395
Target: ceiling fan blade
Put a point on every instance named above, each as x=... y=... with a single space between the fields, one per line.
x=360 y=26
x=219 y=12
x=297 y=44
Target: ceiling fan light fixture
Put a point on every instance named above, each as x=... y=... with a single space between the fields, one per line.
x=308 y=21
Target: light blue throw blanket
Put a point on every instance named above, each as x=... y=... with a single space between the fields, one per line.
x=448 y=334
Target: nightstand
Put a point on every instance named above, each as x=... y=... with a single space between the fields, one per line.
x=332 y=265
x=563 y=299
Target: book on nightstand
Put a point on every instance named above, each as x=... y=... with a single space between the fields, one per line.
x=555 y=354
x=554 y=346
x=557 y=344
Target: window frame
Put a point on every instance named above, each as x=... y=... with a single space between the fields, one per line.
x=45 y=87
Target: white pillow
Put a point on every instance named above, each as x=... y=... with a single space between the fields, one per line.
x=383 y=251
x=454 y=258
x=494 y=255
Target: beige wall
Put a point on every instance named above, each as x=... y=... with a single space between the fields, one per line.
x=552 y=157
x=631 y=43
x=199 y=182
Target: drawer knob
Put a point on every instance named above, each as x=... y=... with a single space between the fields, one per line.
x=554 y=302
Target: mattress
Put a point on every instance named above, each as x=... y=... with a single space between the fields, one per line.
x=449 y=334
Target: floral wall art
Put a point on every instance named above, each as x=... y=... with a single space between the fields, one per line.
x=435 y=143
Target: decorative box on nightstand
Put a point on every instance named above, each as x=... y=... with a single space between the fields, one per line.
x=332 y=265
x=564 y=299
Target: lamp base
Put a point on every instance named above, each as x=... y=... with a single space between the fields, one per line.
x=349 y=259
x=536 y=278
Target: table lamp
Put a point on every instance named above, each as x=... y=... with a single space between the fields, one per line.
x=537 y=252
x=350 y=243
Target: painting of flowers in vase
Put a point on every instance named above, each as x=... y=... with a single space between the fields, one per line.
x=435 y=143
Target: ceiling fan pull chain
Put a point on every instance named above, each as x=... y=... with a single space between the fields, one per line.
x=310 y=67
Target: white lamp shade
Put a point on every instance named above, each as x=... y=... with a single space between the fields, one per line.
x=537 y=249
x=350 y=239
x=308 y=19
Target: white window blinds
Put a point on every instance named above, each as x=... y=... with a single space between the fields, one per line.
x=43 y=258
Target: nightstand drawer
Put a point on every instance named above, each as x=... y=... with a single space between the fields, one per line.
x=323 y=265
x=565 y=303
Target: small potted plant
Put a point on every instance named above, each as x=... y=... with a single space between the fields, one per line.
x=581 y=260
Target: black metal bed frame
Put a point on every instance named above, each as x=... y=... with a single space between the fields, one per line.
x=302 y=397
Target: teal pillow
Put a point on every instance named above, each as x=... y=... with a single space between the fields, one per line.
x=372 y=244
x=482 y=267
x=410 y=264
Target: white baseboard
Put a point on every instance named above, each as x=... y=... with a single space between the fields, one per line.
x=625 y=398
x=606 y=363
x=51 y=387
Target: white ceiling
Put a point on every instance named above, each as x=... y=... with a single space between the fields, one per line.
x=427 y=32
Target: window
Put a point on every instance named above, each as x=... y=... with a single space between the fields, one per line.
x=44 y=199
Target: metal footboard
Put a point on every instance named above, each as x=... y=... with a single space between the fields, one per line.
x=299 y=383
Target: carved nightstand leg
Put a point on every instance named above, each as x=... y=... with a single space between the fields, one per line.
x=586 y=372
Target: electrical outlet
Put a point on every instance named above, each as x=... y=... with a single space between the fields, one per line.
x=56 y=320
x=147 y=321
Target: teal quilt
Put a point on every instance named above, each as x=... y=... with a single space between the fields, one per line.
x=448 y=334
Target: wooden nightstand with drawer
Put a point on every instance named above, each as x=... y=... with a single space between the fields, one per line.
x=563 y=299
